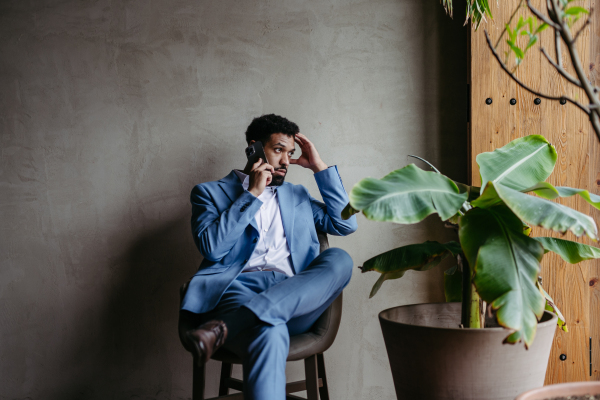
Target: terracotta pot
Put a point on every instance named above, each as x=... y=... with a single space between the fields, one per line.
x=561 y=389
x=432 y=358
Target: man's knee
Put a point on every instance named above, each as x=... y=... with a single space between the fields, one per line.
x=340 y=261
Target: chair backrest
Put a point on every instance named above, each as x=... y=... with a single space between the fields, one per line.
x=323 y=241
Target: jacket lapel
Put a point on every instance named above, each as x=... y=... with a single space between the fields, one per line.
x=233 y=188
x=285 y=196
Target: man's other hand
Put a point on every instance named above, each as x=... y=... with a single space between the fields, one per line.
x=310 y=156
x=260 y=176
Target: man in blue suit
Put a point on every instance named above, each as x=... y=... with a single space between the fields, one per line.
x=262 y=278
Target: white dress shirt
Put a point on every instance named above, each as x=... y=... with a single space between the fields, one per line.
x=272 y=252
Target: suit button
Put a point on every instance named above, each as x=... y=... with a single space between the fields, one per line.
x=255 y=240
x=245 y=261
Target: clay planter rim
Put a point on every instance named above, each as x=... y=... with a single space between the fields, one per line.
x=389 y=310
x=561 y=389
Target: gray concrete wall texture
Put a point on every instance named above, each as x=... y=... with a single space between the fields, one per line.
x=110 y=112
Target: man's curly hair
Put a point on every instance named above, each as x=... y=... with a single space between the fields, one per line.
x=261 y=128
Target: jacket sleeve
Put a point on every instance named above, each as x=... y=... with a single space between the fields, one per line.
x=328 y=215
x=215 y=234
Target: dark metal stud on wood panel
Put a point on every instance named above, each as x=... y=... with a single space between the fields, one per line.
x=513 y=102
x=563 y=101
x=563 y=357
x=537 y=101
x=488 y=101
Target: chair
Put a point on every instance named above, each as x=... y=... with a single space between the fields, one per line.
x=308 y=346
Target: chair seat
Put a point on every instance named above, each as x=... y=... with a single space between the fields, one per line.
x=318 y=339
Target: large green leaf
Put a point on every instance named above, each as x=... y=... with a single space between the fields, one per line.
x=520 y=164
x=540 y=212
x=406 y=196
x=547 y=191
x=506 y=265
x=348 y=211
x=419 y=257
x=547 y=214
x=571 y=252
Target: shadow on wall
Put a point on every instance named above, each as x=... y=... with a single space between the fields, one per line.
x=128 y=347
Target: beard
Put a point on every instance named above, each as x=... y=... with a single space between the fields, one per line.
x=277 y=179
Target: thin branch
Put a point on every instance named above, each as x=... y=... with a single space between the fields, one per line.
x=587 y=22
x=557 y=47
x=561 y=70
x=595 y=123
x=509 y=22
x=552 y=10
x=542 y=16
x=592 y=96
x=426 y=162
x=530 y=90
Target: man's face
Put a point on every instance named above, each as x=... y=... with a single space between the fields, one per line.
x=279 y=149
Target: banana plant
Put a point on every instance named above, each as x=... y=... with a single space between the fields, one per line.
x=498 y=262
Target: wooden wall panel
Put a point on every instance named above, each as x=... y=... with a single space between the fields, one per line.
x=578 y=165
x=594 y=267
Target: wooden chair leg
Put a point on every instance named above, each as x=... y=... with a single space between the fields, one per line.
x=323 y=390
x=225 y=375
x=198 y=382
x=312 y=379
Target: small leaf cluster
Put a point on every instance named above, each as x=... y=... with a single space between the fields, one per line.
x=571 y=14
x=477 y=10
x=529 y=27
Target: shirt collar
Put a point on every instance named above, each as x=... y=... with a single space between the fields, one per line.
x=245 y=180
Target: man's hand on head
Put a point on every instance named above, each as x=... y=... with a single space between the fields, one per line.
x=310 y=156
x=261 y=175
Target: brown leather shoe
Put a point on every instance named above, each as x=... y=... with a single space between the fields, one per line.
x=206 y=339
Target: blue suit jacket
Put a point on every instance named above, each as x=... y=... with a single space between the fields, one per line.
x=225 y=231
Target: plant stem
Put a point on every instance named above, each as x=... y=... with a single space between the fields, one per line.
x=466 y=291
x=508 y=23
x=475 y=309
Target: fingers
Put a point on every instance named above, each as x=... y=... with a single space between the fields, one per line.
x=302 y=137
x=302 y=140
x=293 y=161
x=266 y=166
x=260 y=165
x=256 y=164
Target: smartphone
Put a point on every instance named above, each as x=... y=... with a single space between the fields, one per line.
x=254 y=152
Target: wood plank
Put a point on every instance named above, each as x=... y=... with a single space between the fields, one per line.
x=594 y=266
x=568 y=129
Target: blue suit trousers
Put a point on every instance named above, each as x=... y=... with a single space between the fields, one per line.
x=286 y=306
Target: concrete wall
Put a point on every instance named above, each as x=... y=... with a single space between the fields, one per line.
x=110 y=112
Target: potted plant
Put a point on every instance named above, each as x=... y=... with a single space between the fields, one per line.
x=571 y=391
x=440 y=351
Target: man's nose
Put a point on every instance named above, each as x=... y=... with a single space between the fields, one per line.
x=285 y=160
